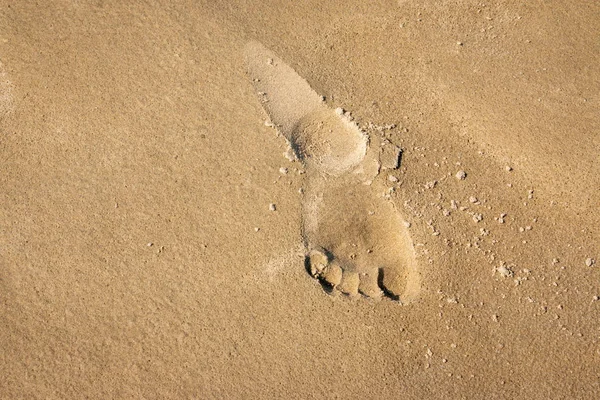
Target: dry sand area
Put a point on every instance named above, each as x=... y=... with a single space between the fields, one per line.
x=299 y=199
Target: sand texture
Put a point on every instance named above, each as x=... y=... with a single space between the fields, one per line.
x=302 y=199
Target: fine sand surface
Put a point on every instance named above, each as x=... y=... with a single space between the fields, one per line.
x=175 y=175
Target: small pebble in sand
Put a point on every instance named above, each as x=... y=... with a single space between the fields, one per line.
x=461 y=175
x=595 y=298
x=270 y=61
x=446 y=213
x=501 y=218
x=530 y=194
x=473 y=199
x=407 y=224
x=590 y=261
x=290 y=154
x=508 y=168
x=392 y=178
x=504 y=271
x=390 y=157
x=256 y=229
x=150 y=244
x=269 y=124
x=453 y=204
x=323 y=98
x=477 y=217
x=430 y=185
x=272 y=207
x=339 y=111
x=283 y=170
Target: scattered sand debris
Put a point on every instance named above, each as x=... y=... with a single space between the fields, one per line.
x=272 y=207
x=283 y=170
x=590 y=261
x=477 y=217
x=484 y=232
x=530 y=194
x=518 y=280
x=446 y=213
x=495 y=317
x=269 y=124
x=381 y=128
x=430 y=185
x=392 y=178
x=504 y=271
x=461 y=175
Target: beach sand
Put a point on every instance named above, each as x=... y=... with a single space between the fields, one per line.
x=155 y=223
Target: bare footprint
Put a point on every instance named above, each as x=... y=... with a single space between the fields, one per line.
x=355 y=240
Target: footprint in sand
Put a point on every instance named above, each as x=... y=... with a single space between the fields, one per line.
x=355 y=240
